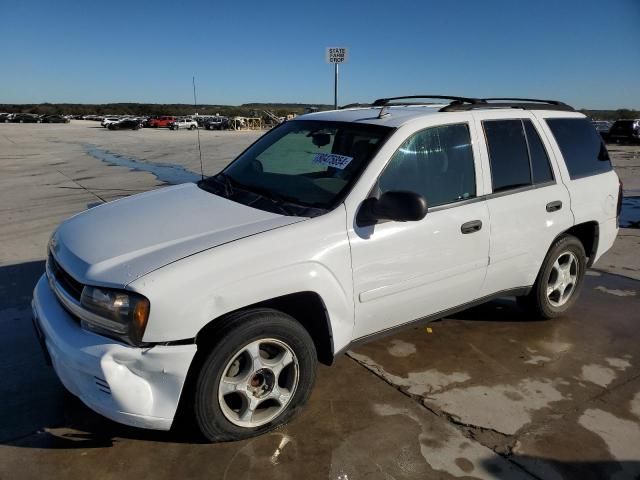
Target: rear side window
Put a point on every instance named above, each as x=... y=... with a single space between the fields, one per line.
x=581 y=146
x=508 y=154
x=539 y=159
x=437 y=163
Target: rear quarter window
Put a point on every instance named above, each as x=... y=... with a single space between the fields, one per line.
x=581 y=146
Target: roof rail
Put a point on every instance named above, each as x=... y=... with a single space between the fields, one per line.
x=354 y=105
x=458 y=104
x=522 y=103
x=381 y=102
x=535 y=100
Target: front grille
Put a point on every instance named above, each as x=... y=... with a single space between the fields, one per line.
x=66 y=281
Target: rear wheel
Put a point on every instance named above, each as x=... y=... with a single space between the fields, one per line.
x=256 y=375
x=560 y=279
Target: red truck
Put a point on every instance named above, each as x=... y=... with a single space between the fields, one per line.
x=163 y=121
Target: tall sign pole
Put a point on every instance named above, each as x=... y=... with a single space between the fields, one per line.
x=335 y=87
x=336 y=55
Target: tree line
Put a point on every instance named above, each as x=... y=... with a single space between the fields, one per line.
x=156 y=109
x=611 y=115
x=246 y=110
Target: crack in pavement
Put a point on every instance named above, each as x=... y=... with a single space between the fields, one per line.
x=482 y=435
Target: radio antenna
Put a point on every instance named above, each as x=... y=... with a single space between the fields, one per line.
x=195 y=107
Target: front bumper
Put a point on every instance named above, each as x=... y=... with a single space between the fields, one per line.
x=135 y=386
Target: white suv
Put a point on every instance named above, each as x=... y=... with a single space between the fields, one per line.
x=329 y=230
x=109 y=121
x=184 y=123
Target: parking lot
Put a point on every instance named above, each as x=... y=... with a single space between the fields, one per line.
x=487 y=393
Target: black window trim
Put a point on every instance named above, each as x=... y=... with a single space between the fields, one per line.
x=546 y=151
x=525 y=188
x=375 y=189
x=489 y=196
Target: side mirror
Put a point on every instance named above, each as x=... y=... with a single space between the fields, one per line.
x=397 y=206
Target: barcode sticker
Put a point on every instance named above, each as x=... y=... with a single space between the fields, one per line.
x=332 y=160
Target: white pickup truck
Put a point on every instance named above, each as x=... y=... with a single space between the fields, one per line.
x=329 y=230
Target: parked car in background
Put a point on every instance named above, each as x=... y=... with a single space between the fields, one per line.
x=602 y=127
x=625 y=131
x=328 y=231
x=25 y=118
x=108 y=121
x=54 y=119
x=126 y=124
x=5 y=117
x=183 y=123
x=163 y=121
x=217 y=123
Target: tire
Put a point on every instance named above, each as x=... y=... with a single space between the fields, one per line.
x=546 y=301
x=222 y=408
x=192 y=127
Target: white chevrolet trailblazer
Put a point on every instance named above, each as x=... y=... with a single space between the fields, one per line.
x=329 y=230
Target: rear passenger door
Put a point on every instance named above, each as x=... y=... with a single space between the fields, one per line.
x=528 y=203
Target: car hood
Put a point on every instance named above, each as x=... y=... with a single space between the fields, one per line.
x=117 y=242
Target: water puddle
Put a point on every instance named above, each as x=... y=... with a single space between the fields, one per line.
x=630 y=215
x=165 y=172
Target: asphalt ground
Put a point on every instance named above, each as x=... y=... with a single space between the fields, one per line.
x=487 y=393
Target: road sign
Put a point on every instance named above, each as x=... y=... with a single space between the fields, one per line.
x=337 y=55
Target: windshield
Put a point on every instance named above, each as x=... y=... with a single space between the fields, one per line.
x=305 y=166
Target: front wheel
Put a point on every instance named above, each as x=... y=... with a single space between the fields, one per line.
x=257 y=374
x=560 y=279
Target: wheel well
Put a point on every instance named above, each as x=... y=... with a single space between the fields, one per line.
x=306 y=307
x=587 y=233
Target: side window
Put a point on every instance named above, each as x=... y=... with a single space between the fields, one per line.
x=508 y=154
x=540 y=166
x=436 y=163
x=581 y=146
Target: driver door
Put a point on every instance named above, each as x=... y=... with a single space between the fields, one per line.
x=404 y=271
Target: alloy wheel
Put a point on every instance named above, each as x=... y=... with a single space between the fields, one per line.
x=563 y=279
x=258 y=382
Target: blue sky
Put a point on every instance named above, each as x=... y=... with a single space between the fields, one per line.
x=584 y=52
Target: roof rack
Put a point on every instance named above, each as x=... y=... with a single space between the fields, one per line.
x=354 y=105
x=459 y=104
x=381 y=102
x=522 y=103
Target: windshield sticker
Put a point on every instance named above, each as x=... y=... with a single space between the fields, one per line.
x=332 y=160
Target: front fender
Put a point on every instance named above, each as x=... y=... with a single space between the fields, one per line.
x=188 y=294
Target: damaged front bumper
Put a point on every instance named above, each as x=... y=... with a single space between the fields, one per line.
x=135 y=386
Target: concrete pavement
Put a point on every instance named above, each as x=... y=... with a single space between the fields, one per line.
x=488 y=393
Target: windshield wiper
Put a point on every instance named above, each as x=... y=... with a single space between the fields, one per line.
x=226 y=181
x=275 y=198
x=231 y=185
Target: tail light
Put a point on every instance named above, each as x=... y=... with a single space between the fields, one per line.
x=619 y=209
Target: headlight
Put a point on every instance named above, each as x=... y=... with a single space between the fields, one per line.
x=115 y=313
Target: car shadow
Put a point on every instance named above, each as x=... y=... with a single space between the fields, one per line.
x=35 y=409
x=551 y=468
x=499 y=310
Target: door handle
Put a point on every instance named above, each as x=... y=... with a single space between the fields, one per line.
x=554 y=206
x=472 y=226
